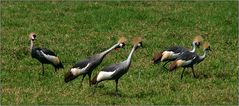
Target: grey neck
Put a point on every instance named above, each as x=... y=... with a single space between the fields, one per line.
x=108 y=50
x=131 y=53
x=31 y=45
x=204 y=55
x=194 y=47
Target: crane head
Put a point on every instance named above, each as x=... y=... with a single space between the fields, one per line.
x=206 y=46
x=32 y=36
x=198 y=40
x=137 y=41
x=121 y=43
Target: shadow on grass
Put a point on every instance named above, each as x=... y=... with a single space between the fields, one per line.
x=121 y=94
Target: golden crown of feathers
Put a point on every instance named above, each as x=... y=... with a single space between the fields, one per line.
x=198 y=38
x=137 y=40
x=122 y=40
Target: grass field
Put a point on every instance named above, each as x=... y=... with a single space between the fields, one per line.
x=76 y=30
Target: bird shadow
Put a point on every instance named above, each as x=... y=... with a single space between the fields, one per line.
x=199 y=75
x=140 y=94
x=121 y=94
x=114 y=93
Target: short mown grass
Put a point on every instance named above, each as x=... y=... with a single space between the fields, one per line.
x=76 y=30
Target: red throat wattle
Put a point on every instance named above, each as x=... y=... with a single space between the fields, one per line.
x=117 y=49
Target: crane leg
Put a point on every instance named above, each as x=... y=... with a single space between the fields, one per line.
x=193 y=72
x=82 y=79
x=116 y=85
x=182 y=73
x=89 y=78
x=42 y=69
x=165 y=64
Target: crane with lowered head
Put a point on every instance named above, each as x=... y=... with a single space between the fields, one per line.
x=85 y=67
x=188 y=59
x=173 y=52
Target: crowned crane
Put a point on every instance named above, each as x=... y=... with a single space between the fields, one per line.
x=85 y=67
x=44 y=55
x=116 y=71
x=188 y=59
x=172 y=53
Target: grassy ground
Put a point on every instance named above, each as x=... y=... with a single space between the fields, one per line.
x=76 y=30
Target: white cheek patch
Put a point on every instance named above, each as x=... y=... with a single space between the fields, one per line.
x=78 y=71
x=104 y=75
x=53 y=59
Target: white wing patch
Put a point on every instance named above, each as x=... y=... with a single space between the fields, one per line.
x=78 y=71
x=51 y=58
x=105 y=75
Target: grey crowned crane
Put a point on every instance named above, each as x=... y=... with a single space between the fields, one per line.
x=85 y=67
x=188 y=59
x=116 y=71
x=44 y=55
x=172 y=53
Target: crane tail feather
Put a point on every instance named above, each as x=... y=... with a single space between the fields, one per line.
x=157 y=57
x=69 y=76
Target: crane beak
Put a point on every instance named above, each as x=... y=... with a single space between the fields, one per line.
x=210 y=49
x=34 y=39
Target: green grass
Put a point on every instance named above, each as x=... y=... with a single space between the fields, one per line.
x=76 y=30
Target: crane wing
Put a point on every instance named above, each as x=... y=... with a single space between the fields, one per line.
x=51 y=58
x=106 y=75
x=177 y=49
x=81 y=64
x=48 y=52
x=187 y=56
x=111 y=68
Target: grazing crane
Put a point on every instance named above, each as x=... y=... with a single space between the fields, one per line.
x=115 y=71
x=44 y=55
x=85 y=67
x=172 y=53
x=188 y=59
